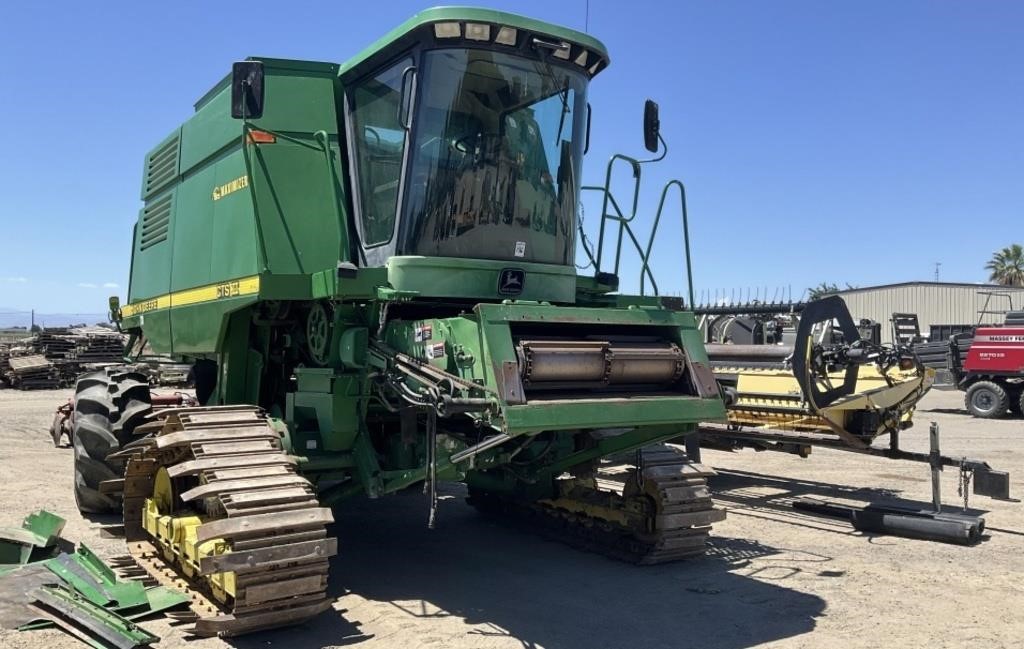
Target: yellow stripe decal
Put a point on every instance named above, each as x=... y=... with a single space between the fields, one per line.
x=209 y=293
x=145 y=306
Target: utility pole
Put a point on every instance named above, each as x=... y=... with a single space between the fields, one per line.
x=32 y=317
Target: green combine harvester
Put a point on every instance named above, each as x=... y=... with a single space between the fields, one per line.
x=370 y=268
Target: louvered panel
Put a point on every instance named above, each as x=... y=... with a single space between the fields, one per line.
x=156 y=222
x=162 y=165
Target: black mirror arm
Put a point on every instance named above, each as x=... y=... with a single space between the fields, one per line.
x=664 y=152
x=246 y=90
x=586 y=145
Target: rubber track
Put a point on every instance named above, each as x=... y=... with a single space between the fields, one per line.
x=673 y=495
x=277 y=530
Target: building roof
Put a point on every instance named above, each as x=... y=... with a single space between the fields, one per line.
x=987 y=287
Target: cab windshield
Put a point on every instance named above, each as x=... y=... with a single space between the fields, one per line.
x=495 y=158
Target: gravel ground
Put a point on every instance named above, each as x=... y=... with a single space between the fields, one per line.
x=775 y=577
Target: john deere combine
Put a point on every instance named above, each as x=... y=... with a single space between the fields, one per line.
x=370 y=268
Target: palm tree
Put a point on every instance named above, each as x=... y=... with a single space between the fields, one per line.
x=821 y=290
x=1007 y=266
x=824 y=289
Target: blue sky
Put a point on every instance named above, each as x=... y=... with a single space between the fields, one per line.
x=847 y=142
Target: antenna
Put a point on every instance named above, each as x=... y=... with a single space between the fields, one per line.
x=937 y=264
x=586 y=17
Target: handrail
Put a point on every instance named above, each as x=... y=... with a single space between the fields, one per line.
x=623 y=226
x=247 y=160
x=616 y=214
x=686 y=235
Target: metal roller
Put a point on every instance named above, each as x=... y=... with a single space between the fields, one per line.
x=645 y=363
x=544 y=361
x=760 y=352
x=598 y=363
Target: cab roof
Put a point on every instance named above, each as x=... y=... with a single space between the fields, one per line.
x=410 y=31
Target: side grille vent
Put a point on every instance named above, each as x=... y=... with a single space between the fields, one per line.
x=156 y=222
x=162 y=165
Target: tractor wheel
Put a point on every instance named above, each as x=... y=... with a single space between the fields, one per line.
x=108 y=404
x=1016 y=398
x=987 y=400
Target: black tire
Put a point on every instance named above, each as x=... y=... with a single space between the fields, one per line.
x=1020 y=405
x=109 y=404
x=1014 y=391
x=204 y=376
x=987 y=400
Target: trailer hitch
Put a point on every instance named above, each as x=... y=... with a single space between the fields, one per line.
x=987 y=481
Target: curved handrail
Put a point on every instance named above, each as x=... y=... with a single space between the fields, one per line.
x=616 y=214
x=646 y=256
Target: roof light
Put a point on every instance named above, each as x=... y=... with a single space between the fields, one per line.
x=447 y=30
x=581 y=60
x=563 y=51
x=478 y=32
x=507 y=36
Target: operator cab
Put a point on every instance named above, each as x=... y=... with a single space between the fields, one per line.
x=466 y=132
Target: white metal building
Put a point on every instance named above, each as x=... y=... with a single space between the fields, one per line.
x=935 y=303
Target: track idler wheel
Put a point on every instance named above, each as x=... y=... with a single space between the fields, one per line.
x=654 y=511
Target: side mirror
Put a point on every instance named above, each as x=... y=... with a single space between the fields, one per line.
x=247 y=89
x=652 y=126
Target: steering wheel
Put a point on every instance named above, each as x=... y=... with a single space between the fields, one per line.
x=466 y=144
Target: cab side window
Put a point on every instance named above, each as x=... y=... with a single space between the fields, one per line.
x=379 y=146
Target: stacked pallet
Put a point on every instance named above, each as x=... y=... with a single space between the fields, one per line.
x=66 y=352
x=5 y=363
x=32 y=373
x=97 y=346
x=55 y=343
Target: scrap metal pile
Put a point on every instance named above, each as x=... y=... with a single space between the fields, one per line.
x=44 y=582
x=55 y=357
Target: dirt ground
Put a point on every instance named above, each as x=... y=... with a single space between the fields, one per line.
x=774 y=578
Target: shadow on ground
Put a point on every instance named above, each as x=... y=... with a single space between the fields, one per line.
x=504 y=582
x=946 y=411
